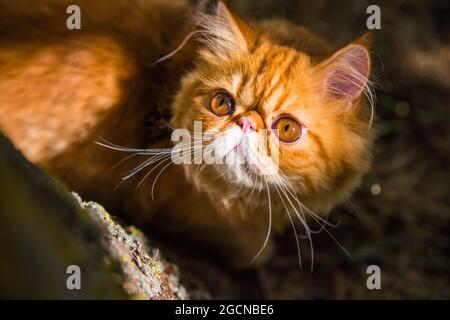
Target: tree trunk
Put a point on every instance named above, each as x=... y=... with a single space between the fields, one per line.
x=44 y=229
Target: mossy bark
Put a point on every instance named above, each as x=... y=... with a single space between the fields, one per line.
x=44 y=229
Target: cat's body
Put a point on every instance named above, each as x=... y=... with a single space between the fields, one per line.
x=62 y=90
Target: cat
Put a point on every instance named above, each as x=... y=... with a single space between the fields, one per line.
x=63 y=90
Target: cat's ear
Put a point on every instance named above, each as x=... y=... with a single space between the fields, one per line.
x=347 y=71
x=225 y=33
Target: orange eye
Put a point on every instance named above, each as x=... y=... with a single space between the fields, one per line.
x=287 y=129
x=222 y=104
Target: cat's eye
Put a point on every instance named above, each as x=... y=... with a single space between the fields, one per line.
x=222 y=104
x=287 y=129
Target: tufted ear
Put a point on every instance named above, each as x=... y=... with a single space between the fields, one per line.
x=225 y=32
x=347 y=71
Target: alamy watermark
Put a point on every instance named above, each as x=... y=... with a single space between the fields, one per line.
x=73 y=281
x=73 y=22
x=374 y=279
x=374 y=20
x=232 y=146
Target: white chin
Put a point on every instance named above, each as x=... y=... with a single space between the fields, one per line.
x=240 y=174
x=240 y=163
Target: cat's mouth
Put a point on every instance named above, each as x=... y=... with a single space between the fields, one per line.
x=240 y=150
x=237 y=147
x=241 y=157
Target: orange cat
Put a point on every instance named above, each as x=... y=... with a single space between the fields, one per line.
x=62 y=90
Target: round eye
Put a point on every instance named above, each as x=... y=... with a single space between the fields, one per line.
x=222 y=104
x=287 y=129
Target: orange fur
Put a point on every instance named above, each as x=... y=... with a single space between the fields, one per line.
x=61 y=93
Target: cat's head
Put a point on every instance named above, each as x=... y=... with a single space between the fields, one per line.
x=311 y=111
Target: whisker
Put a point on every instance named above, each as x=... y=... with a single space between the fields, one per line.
x=123 y=160
x=143 y=165
x=302 y=220
x=293 y=227
x=266 y=240
x=112 y=146
x=156 y=179
x=314 y=216
x=171 y=54
x=150 y=172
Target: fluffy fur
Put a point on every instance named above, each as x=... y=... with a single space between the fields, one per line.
x=63 y=92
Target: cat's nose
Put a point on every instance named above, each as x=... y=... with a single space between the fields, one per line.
x=247 y=124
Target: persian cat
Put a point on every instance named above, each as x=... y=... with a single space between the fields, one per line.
x=292 y=114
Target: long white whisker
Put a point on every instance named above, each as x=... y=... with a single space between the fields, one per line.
x=302 y=220
x=143 y=165
x=269 y=226
x=112 y=146
x=293 y=227
x=314 y=216
x=156 y=179
x=171 y=54
x=153 y=169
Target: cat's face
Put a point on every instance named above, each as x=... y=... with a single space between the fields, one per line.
x=273 y=116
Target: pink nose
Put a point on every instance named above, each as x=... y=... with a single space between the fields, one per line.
x=246 y=124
